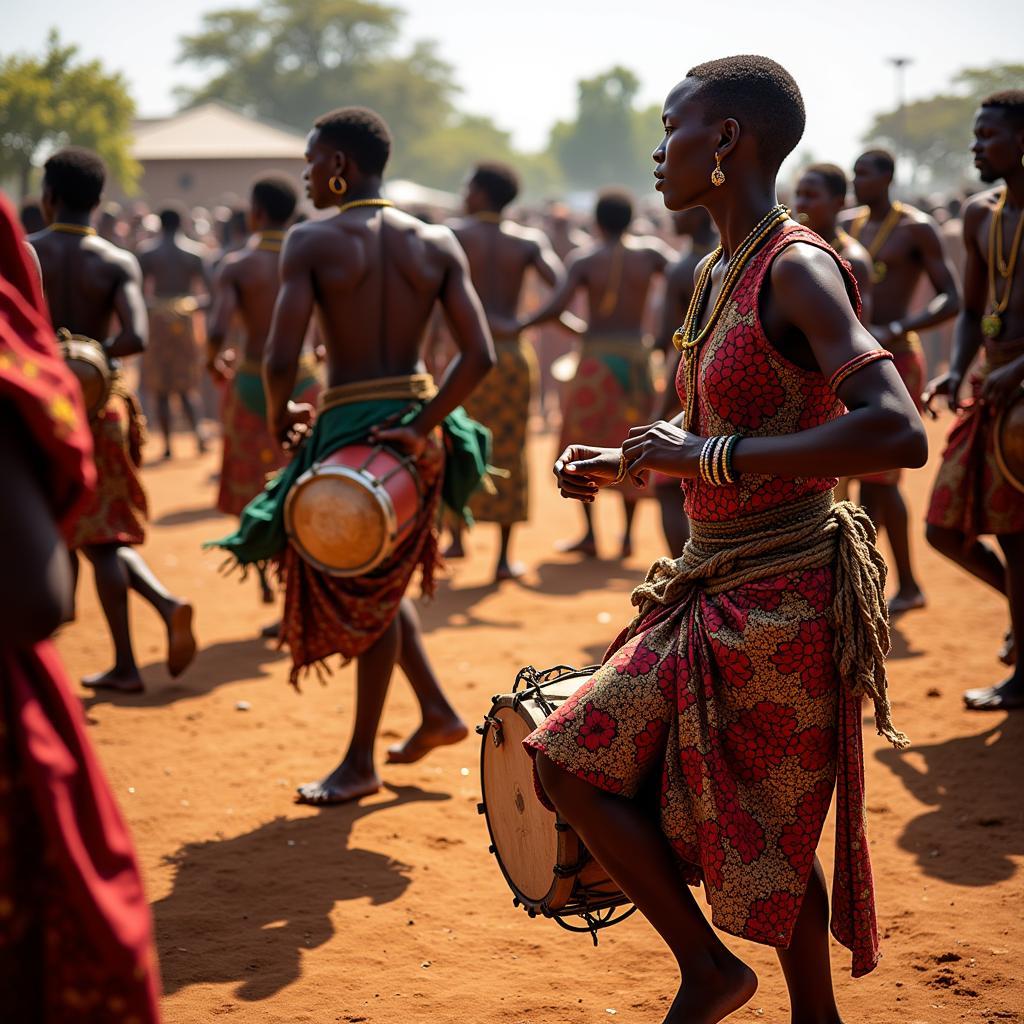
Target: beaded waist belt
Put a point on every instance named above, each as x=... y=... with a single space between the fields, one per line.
x=417 y=387
x=179 y=305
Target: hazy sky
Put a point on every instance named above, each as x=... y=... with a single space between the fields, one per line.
x=519 y=60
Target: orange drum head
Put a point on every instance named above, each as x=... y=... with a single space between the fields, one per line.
x=338 y=523
x=1009 y=446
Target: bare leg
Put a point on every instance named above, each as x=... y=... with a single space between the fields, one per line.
x=629 y=510
x=112 y=589
x=885 y=505
x=455 y=549
x=163 y=416
x=806 y=963
x=507 y=570
x=1009 y=694
x=674 y=523
x=356 y=775
x=176 y=613
x=440 y=725
x=587 y=544
x=628 y=843
x=980 y=560
x=266 y=591
x=193 y=420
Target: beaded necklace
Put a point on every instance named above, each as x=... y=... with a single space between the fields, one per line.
x=71 y=229
x=355 y=203
x=270 y=241
x=879 y=267
x=992 y=321
x=684 y=339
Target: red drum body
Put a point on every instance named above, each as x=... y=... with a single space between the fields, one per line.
x=346 y=514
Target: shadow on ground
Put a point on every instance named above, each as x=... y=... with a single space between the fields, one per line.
x=243 y=910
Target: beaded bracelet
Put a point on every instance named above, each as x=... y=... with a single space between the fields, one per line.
x=716 y=463
x=702 y=461
x=728 y=470
x=621 y=475
x=858 y=362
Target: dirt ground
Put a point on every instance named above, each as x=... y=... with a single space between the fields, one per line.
x=393 y=912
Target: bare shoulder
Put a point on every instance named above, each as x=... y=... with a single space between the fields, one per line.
x=532 y=237
x=113 y=255
x=801 y=265
x=856 y=255
x=979 y=205
x=921 y=224
x=847 y=217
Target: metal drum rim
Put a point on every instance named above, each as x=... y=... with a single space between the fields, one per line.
x=379 y=494
x=997 y=447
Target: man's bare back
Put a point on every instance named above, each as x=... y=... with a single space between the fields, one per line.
x=172 y=265
x=246 y=284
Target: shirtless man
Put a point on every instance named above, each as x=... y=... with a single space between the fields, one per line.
x=903 y=243
x=975 y=492
x=87 y=281
x=173 y=266
x=373 y=275
x=613 y=390
x=500 y=252
x=700 y=228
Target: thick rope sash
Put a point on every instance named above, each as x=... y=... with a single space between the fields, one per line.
x=810 y=534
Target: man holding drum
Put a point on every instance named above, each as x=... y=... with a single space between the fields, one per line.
x=980 y=486
x=734 y=698
x=373 y=274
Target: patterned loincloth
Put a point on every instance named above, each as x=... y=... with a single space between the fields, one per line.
x=612 y=392
x=971 y=493
x=729 y=696
x=117 y=512
x=325 y=615
x=170 y=361
x=908 y=358
x=249 y=453
x=501 y=402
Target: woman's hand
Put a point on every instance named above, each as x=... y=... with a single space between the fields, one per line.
x=662 y=446
x=582 y=470
x=947 y=384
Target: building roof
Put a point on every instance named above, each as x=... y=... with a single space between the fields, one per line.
x=214 y=131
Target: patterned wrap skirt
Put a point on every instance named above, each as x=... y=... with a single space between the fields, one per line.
x=170 y=361
x=612 y=392
x=249 y=453
x=729 y=706
x=972 y=494
x=501 y=402
x=908 y=358
x=117 y=513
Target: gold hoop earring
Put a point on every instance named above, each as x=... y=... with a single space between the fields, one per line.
x=338 y=185
x=718 y=175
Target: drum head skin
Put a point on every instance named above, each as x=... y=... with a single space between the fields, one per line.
x=1009 y=442
x=522 y=828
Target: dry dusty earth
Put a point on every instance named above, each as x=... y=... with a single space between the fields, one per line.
x=393 y=912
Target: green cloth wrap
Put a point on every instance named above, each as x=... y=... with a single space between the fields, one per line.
x=261 y=535
x=249 y=388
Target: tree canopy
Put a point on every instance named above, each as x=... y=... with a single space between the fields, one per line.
x=55 y=100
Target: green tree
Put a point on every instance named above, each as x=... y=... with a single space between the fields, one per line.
x=610 y=141
x=935 y=133
x=55 y=100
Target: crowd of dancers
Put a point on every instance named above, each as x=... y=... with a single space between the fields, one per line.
x=762 y=356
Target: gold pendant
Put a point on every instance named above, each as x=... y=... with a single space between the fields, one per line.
x=880 y=270
x=991 y=325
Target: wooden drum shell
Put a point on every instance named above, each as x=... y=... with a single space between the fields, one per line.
x=88 y=362
x=1009 y=441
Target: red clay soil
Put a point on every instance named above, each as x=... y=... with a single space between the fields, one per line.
x=393 y=912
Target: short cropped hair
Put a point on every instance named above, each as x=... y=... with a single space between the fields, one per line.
x=76 y=177
x=882 y=159
x=171 y=217
x=1010 y=103
x=359 y=133
x=276 y=197
x=759 y=93
x=833 y=176
x=614 y=210
x=497 y=181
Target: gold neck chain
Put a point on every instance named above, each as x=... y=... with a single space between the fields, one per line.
x=356 y=203
x=72 y=229
x=687 y=339
x=270 y=241
x=992 y=321
x=892 y=218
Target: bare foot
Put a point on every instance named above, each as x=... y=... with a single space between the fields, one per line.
x=907 y=601
x=426 y=738
x=122 y=682
x=626 y=551
x=1007 y=696
x=181 y=641
x=341 y=786
x=455 y=549
x=1008 y=652
x=585 y=546
x=509 y=571
x=709 y=996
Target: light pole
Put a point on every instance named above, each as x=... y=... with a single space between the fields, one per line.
x=900 y=65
